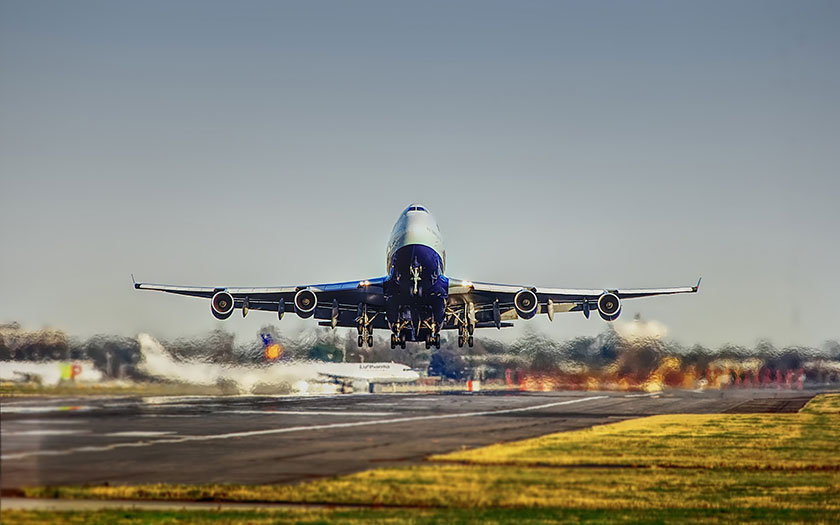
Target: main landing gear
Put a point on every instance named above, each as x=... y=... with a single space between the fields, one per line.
x=465 y=319
x=397 y=331
x=433 y=340
x=466 y=336
x=397 y=341
x=364 y=327
x=365 y=338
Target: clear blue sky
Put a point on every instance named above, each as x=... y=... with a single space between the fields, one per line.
x=586 y=144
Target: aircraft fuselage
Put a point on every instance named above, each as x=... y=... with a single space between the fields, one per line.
x=416 y=287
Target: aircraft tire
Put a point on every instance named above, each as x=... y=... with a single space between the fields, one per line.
x=470 y=341
x=361 y=341
x=370 y=341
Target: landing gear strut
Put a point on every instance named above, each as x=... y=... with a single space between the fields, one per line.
x=397 y=329
x=433 y=340
x=364 y=326
x=466 y=325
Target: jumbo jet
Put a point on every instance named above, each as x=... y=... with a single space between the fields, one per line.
x=415 y=300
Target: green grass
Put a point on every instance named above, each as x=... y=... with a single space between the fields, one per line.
x=423 y=516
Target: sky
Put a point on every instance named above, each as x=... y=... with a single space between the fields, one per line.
x=559 y=144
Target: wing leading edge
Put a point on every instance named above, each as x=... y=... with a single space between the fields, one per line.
x=492 y=303
x=336 y=301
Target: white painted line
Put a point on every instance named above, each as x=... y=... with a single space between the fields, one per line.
x=305 y=413
x=251 y=433
x=42 y=409
x=43 y=432
x=650 y=394
x=139 y=433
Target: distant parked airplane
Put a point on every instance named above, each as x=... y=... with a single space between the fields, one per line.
x=415 y=300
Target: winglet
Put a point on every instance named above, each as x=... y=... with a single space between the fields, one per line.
x=136 y=284
x=697 y=286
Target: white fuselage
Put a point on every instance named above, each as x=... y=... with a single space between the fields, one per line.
x=370 y=372
x=416 y=226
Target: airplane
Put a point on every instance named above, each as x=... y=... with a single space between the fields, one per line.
x=348 y=372
x=368 y=372
x=415 y=300
x=156 y=361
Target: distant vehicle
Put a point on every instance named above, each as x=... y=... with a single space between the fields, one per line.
x=49 y=373
x=415 y=300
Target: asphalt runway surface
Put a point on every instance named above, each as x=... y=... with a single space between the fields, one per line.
x=285 y=439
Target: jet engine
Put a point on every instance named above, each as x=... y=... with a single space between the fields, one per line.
x=526 y=303
x=222 y=305
x=305 y=303
x=609 y=306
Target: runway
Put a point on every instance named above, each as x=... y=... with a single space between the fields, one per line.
x=280 y=439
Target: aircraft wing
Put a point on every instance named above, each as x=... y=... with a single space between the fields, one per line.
x=344 y=297
x=492 y=303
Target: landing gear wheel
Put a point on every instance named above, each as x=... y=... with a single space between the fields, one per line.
x=428 y=342
x=470 y=341
x=393 y=341
x=361 y=341
x=437 y=341
x=402 y=343
x=461 y=341
x=370 y=341
x=471 y=329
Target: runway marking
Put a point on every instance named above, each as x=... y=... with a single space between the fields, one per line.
x=306 y=413
x=43 y=432
x=43 y=409
x=649 y=394
x=139 y=433
x=252 y=433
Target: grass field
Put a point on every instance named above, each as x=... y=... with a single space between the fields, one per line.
x=712 y=468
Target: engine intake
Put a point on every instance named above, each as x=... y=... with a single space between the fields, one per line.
x=305 y=303
x=526 y=304
x=609 y=306
x=222 y=305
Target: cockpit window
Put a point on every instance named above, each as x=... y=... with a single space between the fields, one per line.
x=417 y=208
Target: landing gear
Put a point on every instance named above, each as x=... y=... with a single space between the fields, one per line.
x=364 y=326
x=365 y=337
x=465 y=320
x=393 y=341
x=433 y=340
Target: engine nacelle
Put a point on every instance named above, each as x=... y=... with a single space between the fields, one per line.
x=609 y=306
x=222 y=305
x=305 y=303
x=526 y=303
